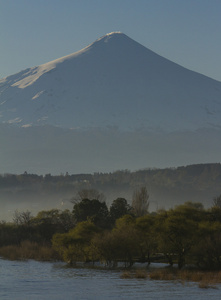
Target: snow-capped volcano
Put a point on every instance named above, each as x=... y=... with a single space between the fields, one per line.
x=115 y=81
x=111 y=88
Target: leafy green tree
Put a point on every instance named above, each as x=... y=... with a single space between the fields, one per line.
x=177 y=236
x=49 y=222
x=147 y=239
x=66 y=220
x=118 y=209
x=106 y=248
x=125 y=236
x=93 y=210
x=74 y=246
x=207 y=249
x=118 y=245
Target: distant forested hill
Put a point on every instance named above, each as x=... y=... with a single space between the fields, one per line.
x=167 y=187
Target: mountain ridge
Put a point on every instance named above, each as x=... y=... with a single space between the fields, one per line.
x=114 y=81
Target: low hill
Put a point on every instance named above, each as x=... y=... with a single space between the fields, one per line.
x=167 y=187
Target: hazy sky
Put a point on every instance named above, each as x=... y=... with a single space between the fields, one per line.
x=33 y=32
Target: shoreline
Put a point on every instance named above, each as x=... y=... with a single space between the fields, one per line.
x=154 y=271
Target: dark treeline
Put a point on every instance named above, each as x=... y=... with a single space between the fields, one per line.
x=202 y=175
x=167 y=187
x=188 y=234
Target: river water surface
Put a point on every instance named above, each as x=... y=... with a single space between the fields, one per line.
x=42 y=280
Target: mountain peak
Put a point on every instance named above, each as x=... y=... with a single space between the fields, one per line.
x=111 y=35
x=114 y=36
x=114 y=81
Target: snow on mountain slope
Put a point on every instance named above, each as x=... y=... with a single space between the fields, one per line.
x=115 y=81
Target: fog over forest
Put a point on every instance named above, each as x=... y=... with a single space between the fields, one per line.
x=166 y=187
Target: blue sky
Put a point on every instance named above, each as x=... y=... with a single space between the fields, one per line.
x=187 y=32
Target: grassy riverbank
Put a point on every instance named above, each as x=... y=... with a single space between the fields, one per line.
x=205 y=279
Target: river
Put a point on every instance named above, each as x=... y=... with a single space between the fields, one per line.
x=27 y=280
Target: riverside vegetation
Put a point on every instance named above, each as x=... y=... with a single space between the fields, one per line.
x=187 y=235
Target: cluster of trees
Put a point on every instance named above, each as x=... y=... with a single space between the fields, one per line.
x=187 y=234
x=40 y=228
x=88 y=204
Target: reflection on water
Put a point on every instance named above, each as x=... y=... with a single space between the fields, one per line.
x=37 y=280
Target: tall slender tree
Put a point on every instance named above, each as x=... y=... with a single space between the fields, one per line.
x=140 y=203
